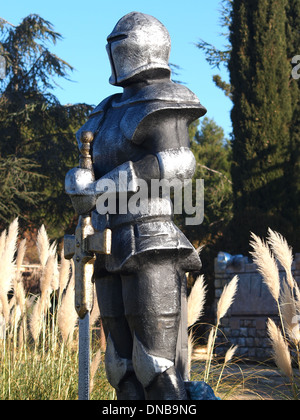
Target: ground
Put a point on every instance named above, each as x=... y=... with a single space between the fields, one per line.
x=256 y=382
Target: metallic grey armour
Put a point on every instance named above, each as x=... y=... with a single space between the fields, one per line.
x=123 y=134
x=141 y=285
x=138 y=44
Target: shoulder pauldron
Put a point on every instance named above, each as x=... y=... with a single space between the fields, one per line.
x=155 y=98
x=149 y=100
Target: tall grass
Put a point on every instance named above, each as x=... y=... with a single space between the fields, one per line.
x=196 y=302
x=285 y=339
x=39 y=334
x=38 y=344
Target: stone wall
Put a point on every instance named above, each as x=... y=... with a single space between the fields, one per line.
x=245 y=323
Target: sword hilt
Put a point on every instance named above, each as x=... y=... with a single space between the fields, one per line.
x=85 y=159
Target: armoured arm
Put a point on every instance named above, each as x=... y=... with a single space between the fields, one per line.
x=167 y=156
x=84 y=191
x=164 y=134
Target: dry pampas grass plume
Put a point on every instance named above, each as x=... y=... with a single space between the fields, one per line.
x=195 y=308
x=227 y=298
x=53 y=248
x=19 y=291
x=225 y=301
x=210 y=341
x=43 y=245
x=282 y=355
x=210 y=351
x=36 y=320
x=46 y=282
x=64 y=272
x=196 y=301
x=55 y=274
x=95 y=313
x=2 y=242
x=7 y=266
x=283 y=252
x=266 y=264
x=228 y=357
x=230 y=353
x=67 y=315
x=268 y=267
x=43 y=302
x=290 y=311
x=20 y=256
x=46 y=252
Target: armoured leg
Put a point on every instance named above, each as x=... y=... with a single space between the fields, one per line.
x=152 y=306
x=118 y=356
x=157 y=375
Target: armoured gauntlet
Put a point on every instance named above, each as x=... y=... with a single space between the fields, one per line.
x=84 y=190
x=169 y=164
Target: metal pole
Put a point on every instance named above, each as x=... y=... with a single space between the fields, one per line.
x=84 y=358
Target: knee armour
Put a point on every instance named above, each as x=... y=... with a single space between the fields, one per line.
x=116 y=366
x=147 y=366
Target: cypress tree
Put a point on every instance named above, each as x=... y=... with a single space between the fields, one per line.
x=261 y=116
x=293 y=164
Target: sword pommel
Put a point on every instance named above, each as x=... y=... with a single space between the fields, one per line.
x=85 y=160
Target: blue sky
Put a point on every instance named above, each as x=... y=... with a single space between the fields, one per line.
x=85 y=26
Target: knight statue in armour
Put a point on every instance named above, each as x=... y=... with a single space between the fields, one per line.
x=141 y=286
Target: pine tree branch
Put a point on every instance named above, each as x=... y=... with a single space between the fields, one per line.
x=5 y=22
x=214 y=171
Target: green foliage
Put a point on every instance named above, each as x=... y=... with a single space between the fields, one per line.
x=31 y=66
x=220 y=57
x=214 y=56
x=261 y=116
x=293 y=169
x=34 y=128
x=213 y=156
x=54 y=147
x=15 y=176
x=226 y=87
x=263 y=37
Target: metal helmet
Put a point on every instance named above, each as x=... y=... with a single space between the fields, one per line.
x=139 y=43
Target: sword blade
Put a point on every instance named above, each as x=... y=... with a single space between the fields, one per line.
x=84 y=358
